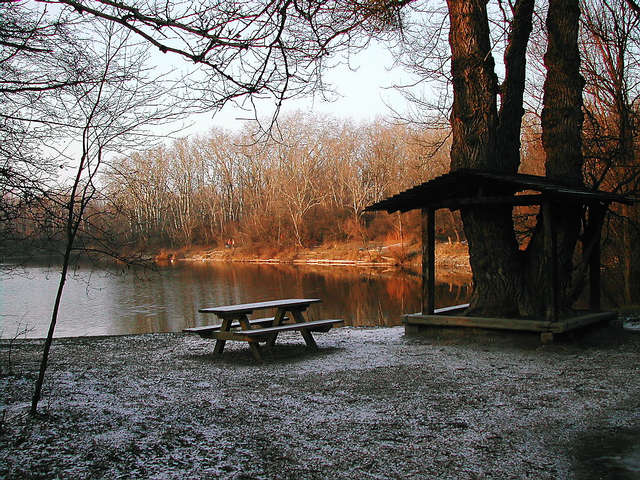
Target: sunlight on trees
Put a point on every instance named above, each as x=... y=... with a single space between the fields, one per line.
x=307 y=187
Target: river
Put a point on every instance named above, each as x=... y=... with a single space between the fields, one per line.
x=117 y=301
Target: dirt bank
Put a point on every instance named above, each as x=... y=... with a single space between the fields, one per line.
x=451 y=258
x=371 y=403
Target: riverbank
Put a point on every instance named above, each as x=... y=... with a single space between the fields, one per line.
x=371 y=403
x=452 y=258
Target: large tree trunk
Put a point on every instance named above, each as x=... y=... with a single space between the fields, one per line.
x=484 y=139
x=562 y=141
x=562 y=111
x=507 y=281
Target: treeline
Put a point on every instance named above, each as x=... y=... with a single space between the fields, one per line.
x=307 y=184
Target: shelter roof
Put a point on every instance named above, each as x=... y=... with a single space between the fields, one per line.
x=465 y=187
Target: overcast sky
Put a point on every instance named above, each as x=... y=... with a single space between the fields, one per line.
x=363 y=94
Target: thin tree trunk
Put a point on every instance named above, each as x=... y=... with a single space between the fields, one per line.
x=73 y=221
x=512 y=89
x=71 y=229
x=452 y=219
x=54 y=318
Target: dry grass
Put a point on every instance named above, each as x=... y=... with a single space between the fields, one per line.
x=451 y=258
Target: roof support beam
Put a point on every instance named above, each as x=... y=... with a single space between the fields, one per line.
x=551 y=254
x=593 y=236
x=428 y=260
x=457 y=203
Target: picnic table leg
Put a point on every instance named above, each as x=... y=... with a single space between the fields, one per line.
x=253 y=345
x=277 y=320
x=226 y=326
x=255 y=351
x=219 y=346
x=306 y=334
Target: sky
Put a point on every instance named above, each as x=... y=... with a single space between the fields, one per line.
x=363 y=90
x=363 y=94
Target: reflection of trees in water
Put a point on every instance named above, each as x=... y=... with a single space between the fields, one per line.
x=362 y=297
x=104 y=301
x=448 y=294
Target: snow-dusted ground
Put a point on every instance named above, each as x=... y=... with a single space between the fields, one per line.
x=371 y=403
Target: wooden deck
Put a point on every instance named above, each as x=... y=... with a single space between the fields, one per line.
x=449 y=318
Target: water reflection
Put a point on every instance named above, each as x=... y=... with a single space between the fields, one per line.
x=108 y=302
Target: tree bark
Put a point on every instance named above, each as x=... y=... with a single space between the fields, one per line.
x=562 y=141
x=484 y=139
x=512 y=89
x=474 y=115
x=507 y=281
x=562 y=111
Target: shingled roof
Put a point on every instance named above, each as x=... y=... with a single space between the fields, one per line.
x=479 y=187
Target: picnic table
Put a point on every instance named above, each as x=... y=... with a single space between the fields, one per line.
x=236 y=324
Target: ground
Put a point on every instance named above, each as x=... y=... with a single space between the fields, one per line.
x=370 y=403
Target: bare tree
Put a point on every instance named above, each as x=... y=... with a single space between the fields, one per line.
x=137 y=185
x=98 y=119
x=246 y=50
x=34 y=67
x=315 y=180
x=610 y=47
x=242 y=51
x=486 y=118
x=300 y=158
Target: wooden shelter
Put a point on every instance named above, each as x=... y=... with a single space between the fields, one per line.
x=468 y=187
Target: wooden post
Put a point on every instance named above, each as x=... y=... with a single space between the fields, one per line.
x=551 y=270
x=596 y=216
x=428 y=261
x=594 y=278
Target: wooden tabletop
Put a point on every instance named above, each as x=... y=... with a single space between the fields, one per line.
x=250 y=307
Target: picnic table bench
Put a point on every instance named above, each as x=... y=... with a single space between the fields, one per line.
x=236 y=324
